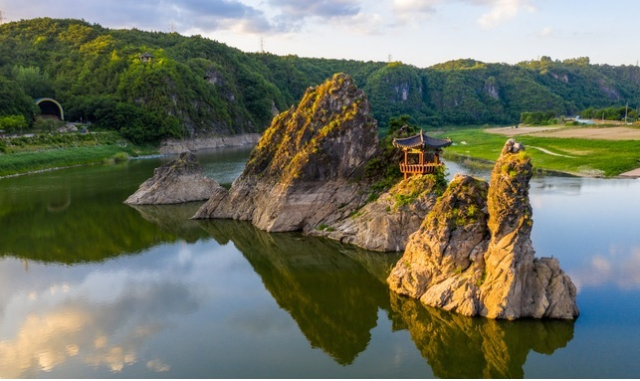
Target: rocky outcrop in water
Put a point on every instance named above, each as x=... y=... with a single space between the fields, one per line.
x=307 y=167
x=181 y=180
x=386 y=223
x=473 y=253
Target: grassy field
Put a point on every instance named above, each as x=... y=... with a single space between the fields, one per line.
x=44 y=151
x=33 y=161
x=583 y=157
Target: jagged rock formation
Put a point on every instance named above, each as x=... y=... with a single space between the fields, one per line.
x=473 y=253
x=387 y=223
x=306 y=168
x=181 y=180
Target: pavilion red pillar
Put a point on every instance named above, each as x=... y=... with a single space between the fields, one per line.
x=406 y=162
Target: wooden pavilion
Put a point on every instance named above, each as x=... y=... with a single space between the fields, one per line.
x=426 y=148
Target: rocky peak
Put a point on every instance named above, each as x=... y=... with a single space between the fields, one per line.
x=508 y=198
x=302 y=171
x=327 y=136
x=473 y=253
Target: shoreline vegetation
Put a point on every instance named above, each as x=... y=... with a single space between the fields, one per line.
x=476 y=147
x=35 y=153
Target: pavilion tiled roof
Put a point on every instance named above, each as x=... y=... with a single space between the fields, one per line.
x=422 y=141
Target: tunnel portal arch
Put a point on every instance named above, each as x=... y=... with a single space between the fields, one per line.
x=50 y=106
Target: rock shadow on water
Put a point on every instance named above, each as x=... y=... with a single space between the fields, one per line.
x=333 y=296
x=174 y=219
x=457 y=346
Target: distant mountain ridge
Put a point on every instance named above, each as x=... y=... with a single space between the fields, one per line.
x=193 y=86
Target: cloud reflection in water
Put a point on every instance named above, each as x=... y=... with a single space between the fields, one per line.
x=93 y=322
x=620 y=268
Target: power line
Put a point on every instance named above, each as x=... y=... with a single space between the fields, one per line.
x=261 y=45
x=172 y=27
x=1 y=17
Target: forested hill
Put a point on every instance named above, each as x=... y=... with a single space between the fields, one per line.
x=194 y=86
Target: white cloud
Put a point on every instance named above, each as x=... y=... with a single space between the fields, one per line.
x=148 y=14
x=546 y=32
x=499 y=10
x=413 y=10
x=318 y=8
x=364 y=24
x=503 y=10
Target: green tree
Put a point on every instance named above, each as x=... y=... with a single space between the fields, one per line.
x=14 y=101
x=35 y=83
x=13 y=123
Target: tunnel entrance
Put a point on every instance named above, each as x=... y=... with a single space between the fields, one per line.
x=50 y=108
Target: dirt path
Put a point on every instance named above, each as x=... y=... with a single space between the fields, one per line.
x=634 y=173
x=602 y=133
x=551 y=153
x=510 y=131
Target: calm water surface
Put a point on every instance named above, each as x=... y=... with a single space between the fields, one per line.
x=92 y=288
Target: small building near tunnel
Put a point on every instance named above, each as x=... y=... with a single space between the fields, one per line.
x=50 y=108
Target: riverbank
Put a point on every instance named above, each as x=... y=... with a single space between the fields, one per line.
x=31 y=153
x=574 y=156
x=33 y=162
x=46 y=152
x=174 y=146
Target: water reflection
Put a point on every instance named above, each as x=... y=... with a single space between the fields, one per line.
x=174 y=219
x=71 y=222
x=567 y=186
x=620 y=267
x=461 y=347
x=333 y=297
x=74 y=324
x=188 y=307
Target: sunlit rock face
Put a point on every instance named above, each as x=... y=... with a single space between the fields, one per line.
x=181 y=180
x=386 y=223
x=473 y=253
x=307 y=165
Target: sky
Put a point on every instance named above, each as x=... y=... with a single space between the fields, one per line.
x=416 y=32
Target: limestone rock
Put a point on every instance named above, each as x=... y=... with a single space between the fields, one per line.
x=386 y=223
x=305 y=169
x=181 y=180
x=473 y=253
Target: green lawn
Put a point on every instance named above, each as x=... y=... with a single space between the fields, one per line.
x=587 y=157
x=33 y=161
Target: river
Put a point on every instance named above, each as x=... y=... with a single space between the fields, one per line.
x=93 y=288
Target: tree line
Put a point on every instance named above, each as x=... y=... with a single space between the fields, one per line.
x=193 y=86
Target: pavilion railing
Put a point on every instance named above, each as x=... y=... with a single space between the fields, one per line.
x=419 y=168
